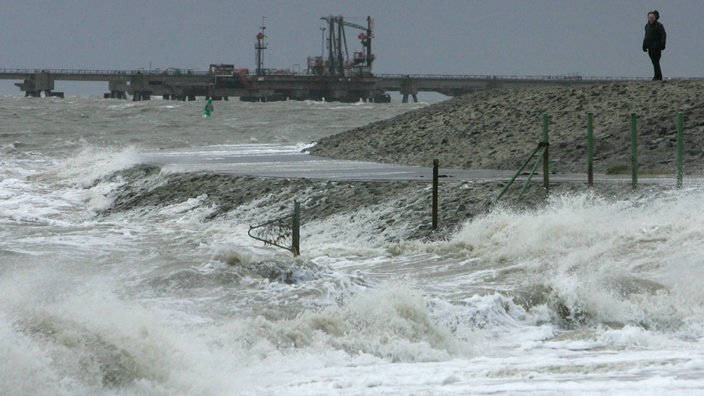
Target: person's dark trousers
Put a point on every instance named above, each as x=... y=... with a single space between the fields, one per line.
x=655 y=58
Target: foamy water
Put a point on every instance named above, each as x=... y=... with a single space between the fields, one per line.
x=586 y=296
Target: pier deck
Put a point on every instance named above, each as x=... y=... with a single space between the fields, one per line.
x=189 y=84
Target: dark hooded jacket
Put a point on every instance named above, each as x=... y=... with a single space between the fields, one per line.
x=654 y=36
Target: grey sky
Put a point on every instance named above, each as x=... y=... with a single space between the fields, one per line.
x=487 y=37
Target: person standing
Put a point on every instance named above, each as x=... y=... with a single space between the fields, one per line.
x=654 y=42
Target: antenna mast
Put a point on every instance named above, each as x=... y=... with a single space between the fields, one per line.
x=259 y=47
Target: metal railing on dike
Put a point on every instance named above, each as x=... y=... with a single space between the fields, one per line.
x=567 y=77
x=543 y=150
x=93 y=72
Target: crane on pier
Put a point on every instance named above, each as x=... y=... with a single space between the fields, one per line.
x=338 y=62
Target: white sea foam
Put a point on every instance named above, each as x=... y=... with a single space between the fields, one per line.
x=93 y=163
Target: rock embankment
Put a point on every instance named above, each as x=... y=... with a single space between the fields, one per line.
x=498 y=129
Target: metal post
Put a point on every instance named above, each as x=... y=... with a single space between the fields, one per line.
x=680 y=149
x=339 y=59
x=322 y=42
x=546 y=155
x=435 y=193
x=590 y=150
x=634 y=152
x=331 y=46
x=296 y=229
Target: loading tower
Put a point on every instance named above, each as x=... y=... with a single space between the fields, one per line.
x=338 y=62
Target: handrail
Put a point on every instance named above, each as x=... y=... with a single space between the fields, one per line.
x=520 y=170
x=154 y=72
x=568 y=77
x=535 y=167
x=544 y=157
x=283 y=228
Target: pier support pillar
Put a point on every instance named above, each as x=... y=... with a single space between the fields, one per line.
x=405 y=98
x=409 y=87
x=47 y=94
x=141 y=95
x=41 y=81
x=118 y=90
x=115 y=95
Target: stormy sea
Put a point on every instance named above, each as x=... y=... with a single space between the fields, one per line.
x=121 y=274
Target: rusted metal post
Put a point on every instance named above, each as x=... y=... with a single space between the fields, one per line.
x=590 y=149
x=296 y=229
x=546 y=155
x=680 y=149
x=634 y=152
x=436 y=167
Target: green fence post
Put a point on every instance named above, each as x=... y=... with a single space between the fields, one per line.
x=680 y=149
x=634 y=152
x=546 y=156
x=590 y=150
x=436 y=166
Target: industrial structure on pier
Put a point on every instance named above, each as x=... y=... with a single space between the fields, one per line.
x=337 y=77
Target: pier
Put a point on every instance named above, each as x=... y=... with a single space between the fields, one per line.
x=335 y=76
x=222 y=82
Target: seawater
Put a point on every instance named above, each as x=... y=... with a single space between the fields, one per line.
x=588 y=295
